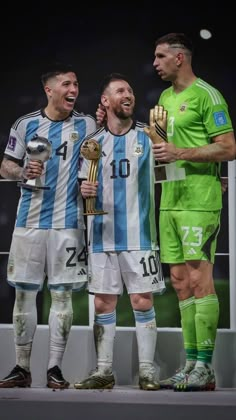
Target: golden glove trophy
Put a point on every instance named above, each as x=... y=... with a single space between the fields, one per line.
x=157 y=133
x=91 y=150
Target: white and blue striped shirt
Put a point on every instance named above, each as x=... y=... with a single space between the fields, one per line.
x=125 y=191
x=61 y=206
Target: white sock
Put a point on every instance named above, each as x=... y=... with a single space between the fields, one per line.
x=60 y=321
x=104 y=333
x=24 y=325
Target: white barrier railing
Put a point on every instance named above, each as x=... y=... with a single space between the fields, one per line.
x=231 y=253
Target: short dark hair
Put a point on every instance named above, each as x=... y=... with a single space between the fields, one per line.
x=54 y=69
x=178 y=39
x=111 y=78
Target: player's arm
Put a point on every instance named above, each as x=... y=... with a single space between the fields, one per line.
x=221 y=149
x=11 y=169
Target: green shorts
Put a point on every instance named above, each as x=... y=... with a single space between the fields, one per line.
x=188 y=235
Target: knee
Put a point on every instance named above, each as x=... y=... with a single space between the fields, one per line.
x=105 y=303
x=181 y=286
x=141 y=301
x=61 y=300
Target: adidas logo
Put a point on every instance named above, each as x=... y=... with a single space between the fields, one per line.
x=82 y=272
x=207 y=342
x=191 y=251
x=155 y=281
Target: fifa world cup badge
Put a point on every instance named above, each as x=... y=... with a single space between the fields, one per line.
x=74 y=136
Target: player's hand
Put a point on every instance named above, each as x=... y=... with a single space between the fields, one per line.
x=101 y=115
x=157 y=124
x=88 y=189
x=33 y=169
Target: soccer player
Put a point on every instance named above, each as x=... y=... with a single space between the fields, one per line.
x=123 y=248
x=200 y=136
x=48 y=238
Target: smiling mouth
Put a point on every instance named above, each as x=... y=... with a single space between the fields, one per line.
x=71 y=100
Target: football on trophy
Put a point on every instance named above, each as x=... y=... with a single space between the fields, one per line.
x=90 y=149
x=39 y=148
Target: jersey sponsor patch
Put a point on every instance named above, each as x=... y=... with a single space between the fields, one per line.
x=11 y=145
x=219 y=118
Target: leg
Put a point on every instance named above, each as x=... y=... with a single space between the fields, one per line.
x=104 y=335
x=207 y=308
x=146 y=333
x=24 y=324
x=181 y=284
x=60 y=321
x=206 y=320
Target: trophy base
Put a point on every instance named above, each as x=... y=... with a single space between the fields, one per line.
x=32 y=187
x=94 y=212
x=168 y=172
x=160 y=173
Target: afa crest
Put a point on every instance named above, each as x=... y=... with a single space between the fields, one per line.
x=183 y=107
x=74 y=136
x=138 y=150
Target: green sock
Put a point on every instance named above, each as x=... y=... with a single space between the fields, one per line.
x=187 y=312
x=206 y=319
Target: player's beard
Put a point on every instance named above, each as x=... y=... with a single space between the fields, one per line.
x=123 y=115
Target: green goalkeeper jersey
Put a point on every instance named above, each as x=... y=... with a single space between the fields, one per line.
x=195 y=115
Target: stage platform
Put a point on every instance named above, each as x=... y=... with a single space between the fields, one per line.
x=121 y=403
x=126 y=400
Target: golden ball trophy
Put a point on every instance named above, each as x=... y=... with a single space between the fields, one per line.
x=91 y=151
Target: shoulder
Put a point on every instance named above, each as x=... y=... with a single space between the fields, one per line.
x=96 y=134
x=139 y=126
x=207 y=91
x=24 y=119
x=81 y=115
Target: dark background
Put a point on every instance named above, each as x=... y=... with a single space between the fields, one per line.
x=107 y=37
x=111 y=36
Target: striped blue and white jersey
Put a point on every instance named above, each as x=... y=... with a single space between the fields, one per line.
x=125 y=191
x=61 y=206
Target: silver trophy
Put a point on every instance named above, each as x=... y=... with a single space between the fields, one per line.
x=40 y=149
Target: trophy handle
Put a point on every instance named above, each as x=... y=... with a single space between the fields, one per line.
x=90 y=201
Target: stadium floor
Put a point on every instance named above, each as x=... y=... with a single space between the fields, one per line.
x=121 y=403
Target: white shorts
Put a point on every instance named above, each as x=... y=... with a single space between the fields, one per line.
x=58 y=254
x=139 y=271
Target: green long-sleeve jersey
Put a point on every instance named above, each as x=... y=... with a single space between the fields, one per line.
x=195 y=115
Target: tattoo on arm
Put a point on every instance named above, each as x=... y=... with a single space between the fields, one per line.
x=11 y=170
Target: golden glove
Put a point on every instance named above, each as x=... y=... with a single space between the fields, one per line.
x=158 y=124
